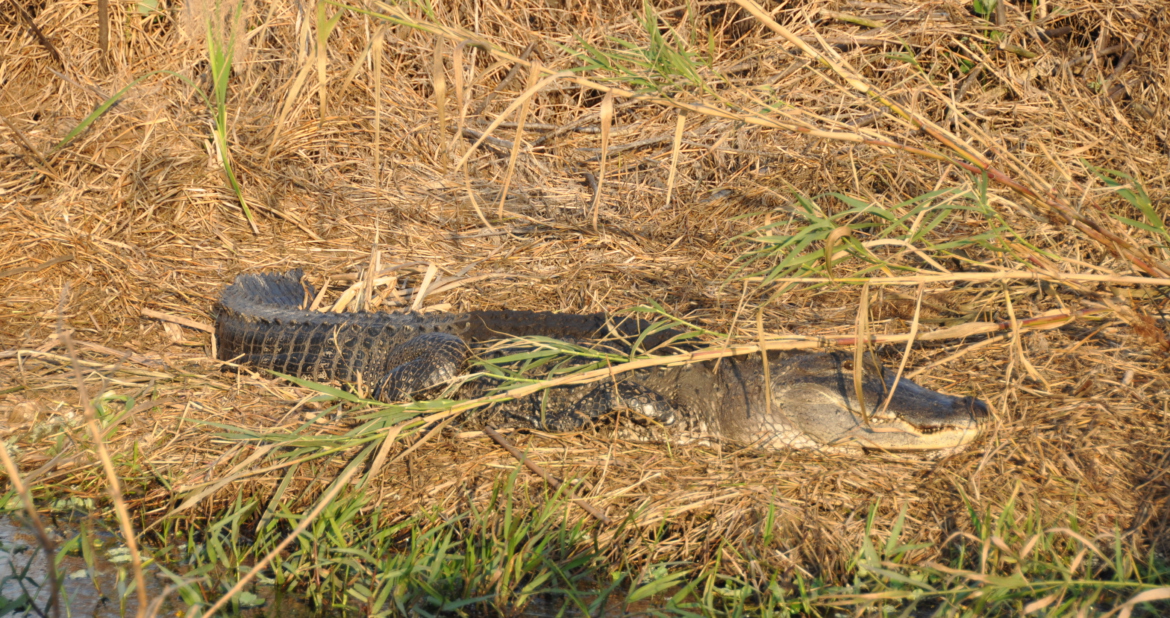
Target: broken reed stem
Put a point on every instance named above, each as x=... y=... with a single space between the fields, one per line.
x=8 y=272
x=439 y=81
x=764 y=359
x=548 y=478
x=378 y=44
x=606 y=123
x=103 y=17
x=679 y=125
x=527 y=96
x=910 y=337
x=862 y=337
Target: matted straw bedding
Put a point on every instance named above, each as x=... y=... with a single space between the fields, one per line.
x=127 y=233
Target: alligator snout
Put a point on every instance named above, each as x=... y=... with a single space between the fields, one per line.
x=977 y=409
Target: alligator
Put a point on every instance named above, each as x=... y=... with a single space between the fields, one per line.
x=809 y=401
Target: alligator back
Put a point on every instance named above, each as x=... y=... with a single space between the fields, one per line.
x=260 y=322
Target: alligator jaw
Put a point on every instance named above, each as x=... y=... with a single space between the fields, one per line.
x=923 y=420
x=898 y=435
x=819 y=400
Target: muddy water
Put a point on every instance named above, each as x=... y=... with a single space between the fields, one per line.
x=99 y=592
x=24 y=577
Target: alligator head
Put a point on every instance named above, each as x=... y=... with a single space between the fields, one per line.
x=817 y=395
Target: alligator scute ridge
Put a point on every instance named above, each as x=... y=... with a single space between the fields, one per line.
x=259 y=322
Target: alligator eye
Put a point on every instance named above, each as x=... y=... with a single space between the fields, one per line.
x=847 y=365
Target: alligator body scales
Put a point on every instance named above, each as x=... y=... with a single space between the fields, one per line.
x=259 y=323
x=801 y=399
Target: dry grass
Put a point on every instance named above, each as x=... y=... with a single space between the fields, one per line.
x=139 y=207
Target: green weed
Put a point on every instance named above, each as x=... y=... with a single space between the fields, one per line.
x=1133 y=192
x=816 y=242
x=221 y=47
x=657 y=65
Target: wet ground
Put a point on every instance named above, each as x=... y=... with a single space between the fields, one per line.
x=98 y=587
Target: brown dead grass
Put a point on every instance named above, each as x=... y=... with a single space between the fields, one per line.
x=140 y=204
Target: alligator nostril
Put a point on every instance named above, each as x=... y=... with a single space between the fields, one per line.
x=978 y=409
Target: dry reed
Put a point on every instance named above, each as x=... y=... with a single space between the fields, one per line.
x=136 y=223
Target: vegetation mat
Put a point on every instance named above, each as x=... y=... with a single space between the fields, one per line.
x=977 y=189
